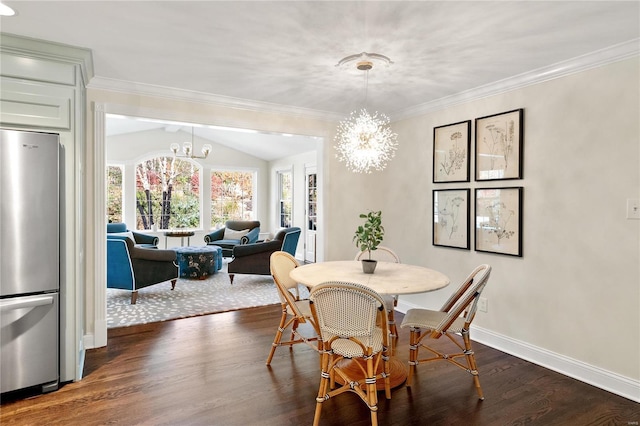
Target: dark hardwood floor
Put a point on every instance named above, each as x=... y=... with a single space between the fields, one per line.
x=210 y=370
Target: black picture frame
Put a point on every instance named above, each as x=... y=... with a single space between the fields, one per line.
x=451 y=218
x=451 y=152
x=498 y=220
x=499 y=140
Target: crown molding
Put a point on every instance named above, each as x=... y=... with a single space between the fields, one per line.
x=595 y=59
x=42 y=49
x=143 y=89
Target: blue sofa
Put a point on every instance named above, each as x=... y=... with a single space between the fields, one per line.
x=228 y=242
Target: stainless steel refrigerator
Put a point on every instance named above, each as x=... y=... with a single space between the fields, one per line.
x=29 y=260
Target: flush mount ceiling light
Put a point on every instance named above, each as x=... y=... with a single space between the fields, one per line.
x=360 y=61
x=6 y=10
x=365 y=142
x=187 y=149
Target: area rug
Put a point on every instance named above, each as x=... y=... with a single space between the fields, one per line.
x=190 y=298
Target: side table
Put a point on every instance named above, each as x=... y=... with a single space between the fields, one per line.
x=178 y=234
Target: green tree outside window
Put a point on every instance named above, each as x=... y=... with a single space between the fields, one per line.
x=231 y=197
x=167 y=194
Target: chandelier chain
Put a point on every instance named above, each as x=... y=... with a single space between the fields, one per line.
x=366 y=89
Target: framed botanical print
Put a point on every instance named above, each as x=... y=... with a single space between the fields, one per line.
x=498 y=223
x=499 y=140
x=451 y=147
x=451 y=218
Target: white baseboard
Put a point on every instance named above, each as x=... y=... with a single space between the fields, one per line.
x=603 y=379
x=97 y=339
x=579 y=370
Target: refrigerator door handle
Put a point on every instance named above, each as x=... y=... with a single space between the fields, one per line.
x=31 y=302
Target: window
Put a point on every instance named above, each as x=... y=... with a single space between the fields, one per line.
x=231 y=196
x=285 y=193
x=312 y=201
x=114 y=194
x=167 y=194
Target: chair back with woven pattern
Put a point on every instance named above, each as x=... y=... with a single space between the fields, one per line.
x=464 y=302
x=353 y=326
x=281 y=263
x=347 y=310
x=295 y=311
x=382 y=253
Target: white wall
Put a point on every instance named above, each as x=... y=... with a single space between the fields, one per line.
x=574 y=296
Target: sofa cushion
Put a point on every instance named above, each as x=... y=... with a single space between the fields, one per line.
x=227 y=243
x=230 y=234
x=127 y=234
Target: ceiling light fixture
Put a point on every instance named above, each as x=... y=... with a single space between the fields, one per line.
x=6 y=10
x=187 y=149
x=364 y=141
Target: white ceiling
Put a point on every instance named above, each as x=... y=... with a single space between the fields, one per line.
x=284 y=52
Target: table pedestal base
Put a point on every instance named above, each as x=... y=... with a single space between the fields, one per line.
x=397 y=369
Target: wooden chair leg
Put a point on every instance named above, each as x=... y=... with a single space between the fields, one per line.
x=134 y=297
x=231 y=278
x=393 y=330
x=173 y=283
x=372 y=393
x=278 y=337
x=294 y=328
x=387 y=380
x=323 y=388
x=414 y=346
x=320 y=351
x=471 y=361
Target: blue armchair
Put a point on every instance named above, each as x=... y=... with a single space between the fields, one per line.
x=254 y=259
x=142 y=240
x=233 y=234
x=131 y=267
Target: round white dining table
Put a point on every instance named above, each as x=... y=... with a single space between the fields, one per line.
x=388 y=278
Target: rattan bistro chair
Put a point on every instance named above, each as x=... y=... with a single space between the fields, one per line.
x=385 y=254
x=294 y=310
x=452 y=320
x=353 y=325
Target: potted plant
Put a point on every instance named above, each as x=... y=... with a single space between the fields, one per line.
x=368 y=237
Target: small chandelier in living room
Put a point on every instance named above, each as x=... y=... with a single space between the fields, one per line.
x=187 y=149
x=364 y=141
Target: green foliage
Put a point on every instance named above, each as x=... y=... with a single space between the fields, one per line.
x=114 y=193
x=185 y=212
x=369 y=236
x=172 y=185
x=231 y=195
